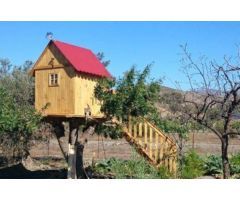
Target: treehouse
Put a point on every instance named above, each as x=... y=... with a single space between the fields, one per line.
x=65 y=78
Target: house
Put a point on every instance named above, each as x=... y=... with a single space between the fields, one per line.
x=65 y=78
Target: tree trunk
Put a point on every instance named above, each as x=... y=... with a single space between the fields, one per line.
x=60 y=132
x=225 y=161
x=71 y=162
x=72 y=146
x=79 y=161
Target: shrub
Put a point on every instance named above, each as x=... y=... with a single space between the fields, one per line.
x=235 y=164
x=137 y=167
x=192 y=165
x=213 y=165
x=17 y=125
x=164 y=173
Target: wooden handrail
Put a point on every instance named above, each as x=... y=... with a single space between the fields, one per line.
x=159 y=148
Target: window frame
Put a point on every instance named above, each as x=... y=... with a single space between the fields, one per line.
x=53 y=79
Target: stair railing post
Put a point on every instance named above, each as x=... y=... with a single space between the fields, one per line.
x=135 y=130
x=171 y=160
x=156 y=148
x=140 y=133
x=130 y=125
x=161 y=150
x=150 y=142
x=175 y=160
x=166 y=154
x=145 y=134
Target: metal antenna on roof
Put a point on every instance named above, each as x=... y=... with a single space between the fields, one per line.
x=49 y=35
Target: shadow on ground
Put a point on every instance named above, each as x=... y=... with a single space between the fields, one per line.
x=20 y=172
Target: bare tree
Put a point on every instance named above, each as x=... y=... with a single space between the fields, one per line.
x=214 y=97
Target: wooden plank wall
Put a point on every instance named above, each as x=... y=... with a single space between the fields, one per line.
x=84 y=95
x=61 y=98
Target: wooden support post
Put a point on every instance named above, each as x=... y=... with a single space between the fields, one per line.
x=166 y=154
x=174 y=169
x=140 y=133
x=150 y=142
x=156 y=148
x=145 y=134
x=161 y=149
x=130 y=125
x=135 y=131
x=170 y=160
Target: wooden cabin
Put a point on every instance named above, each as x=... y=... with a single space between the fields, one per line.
x=65 y=78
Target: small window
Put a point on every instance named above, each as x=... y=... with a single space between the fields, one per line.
x=53 y=80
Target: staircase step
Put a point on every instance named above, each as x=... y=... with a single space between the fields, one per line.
x=157 y=147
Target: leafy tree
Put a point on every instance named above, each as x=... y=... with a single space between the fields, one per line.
x=133 y=95
x=17 y=82
x=17 y=125
x=19 y=121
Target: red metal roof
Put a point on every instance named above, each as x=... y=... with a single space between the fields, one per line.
x=83 y=60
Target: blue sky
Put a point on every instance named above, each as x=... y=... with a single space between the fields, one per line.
x=125 y=43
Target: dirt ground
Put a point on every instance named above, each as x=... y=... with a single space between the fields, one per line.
x=208 y=143
x=49 y=155
x=98 y=148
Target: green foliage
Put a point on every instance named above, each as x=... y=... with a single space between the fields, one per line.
x=193 y=165
x=235 y=164
x=18 y=118
x=133 y=94
x=164 y=173
x=235 y=126
x=17 y=124
x=136 y=167
x=17 y=82
x=114 y=131
x=172 y=126
x=213 y=165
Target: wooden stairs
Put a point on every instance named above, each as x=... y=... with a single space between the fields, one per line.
x=158 y=148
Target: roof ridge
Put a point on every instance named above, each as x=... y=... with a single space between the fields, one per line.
x=72 y=45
